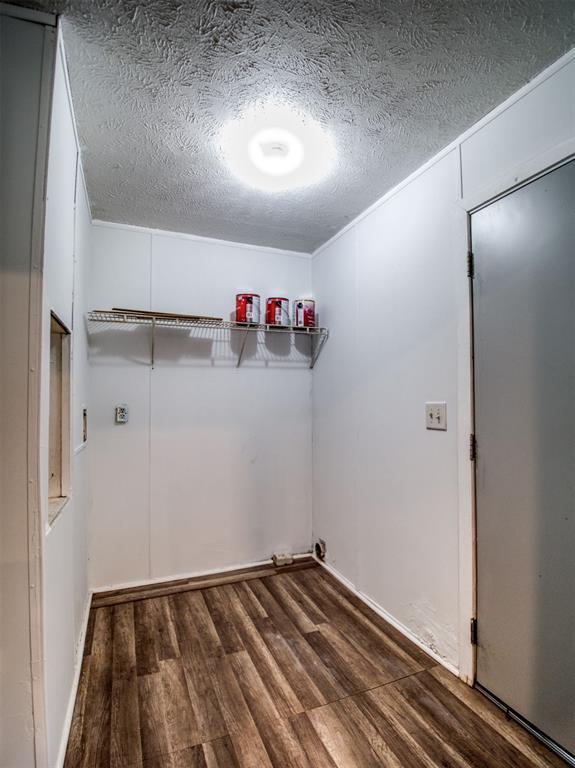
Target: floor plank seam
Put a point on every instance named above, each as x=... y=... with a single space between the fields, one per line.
x=361 y=691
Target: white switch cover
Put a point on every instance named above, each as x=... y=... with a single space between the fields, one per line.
x=436 y=416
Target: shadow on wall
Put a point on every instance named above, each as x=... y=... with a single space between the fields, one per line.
x=111 y=344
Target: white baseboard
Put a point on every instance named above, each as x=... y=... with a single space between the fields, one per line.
x=190 y=575
x=74 y=690
x=390 y=619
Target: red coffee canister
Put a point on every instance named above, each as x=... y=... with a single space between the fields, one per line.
x=248 y=308
x=304 y=313
x=277 y=311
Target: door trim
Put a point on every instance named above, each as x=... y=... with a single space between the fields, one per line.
x=519 y=175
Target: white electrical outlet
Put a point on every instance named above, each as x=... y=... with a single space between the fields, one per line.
x=122 y=414
x=436 y=416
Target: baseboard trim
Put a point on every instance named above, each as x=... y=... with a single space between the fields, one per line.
x=389 y=618
x=75 y=682
x=162 y=587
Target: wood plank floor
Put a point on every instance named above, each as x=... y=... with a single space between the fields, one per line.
x=279 y=671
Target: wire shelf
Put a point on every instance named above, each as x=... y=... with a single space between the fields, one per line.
x=317 y=336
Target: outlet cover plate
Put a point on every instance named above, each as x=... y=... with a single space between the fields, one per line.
x=121 y=414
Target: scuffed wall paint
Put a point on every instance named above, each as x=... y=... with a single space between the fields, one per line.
x=431 y=630
x=392 y=81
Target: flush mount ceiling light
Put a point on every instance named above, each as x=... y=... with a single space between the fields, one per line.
x=275 y=149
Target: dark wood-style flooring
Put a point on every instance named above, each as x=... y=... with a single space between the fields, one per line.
x=279 y=670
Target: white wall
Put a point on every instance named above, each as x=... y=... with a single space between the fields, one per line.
x=214 y=467
x=25 y=50
x=392 y=500
x=66 y=252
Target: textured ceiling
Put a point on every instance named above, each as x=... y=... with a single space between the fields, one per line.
x=392 y=81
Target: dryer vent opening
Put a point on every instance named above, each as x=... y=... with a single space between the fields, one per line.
x=320 y=549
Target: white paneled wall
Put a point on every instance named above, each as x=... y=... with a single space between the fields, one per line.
x=539 y=121
x=407 y=355
x=392 y=500
x=390 y=518
x=67 y=246
x=335 y=404
x=214 y=467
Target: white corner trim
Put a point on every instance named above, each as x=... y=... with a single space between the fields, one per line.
x=63 y=60
x=201 y=239
x=562 y=62
x=75 y=682
x=389 y=618
x=189 y=575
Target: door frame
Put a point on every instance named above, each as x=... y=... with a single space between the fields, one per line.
x=512 y=179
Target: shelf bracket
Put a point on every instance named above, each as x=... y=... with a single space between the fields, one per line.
x=245 y=338
x=316 y=348
x=153 y=346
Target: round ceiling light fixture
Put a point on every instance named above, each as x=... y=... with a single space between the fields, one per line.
x=274 y=148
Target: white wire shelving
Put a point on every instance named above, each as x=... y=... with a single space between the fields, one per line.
x=317 y=336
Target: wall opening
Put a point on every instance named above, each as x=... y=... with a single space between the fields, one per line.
x=59 y=418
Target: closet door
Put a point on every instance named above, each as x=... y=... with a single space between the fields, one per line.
x=524 y=340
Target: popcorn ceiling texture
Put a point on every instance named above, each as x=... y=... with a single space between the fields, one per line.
x=393 y=81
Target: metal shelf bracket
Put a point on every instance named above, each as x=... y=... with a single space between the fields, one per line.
x=245 y=338
x=316 y=344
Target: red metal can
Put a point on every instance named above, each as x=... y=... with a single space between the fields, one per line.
x=248 y=308
x=277 y=311
x=304 y=313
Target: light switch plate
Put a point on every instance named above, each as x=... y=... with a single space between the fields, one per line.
x=436 y=416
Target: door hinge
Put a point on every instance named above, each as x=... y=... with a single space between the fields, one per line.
x=470 y=265
x=473 y=631
x=472 y=448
